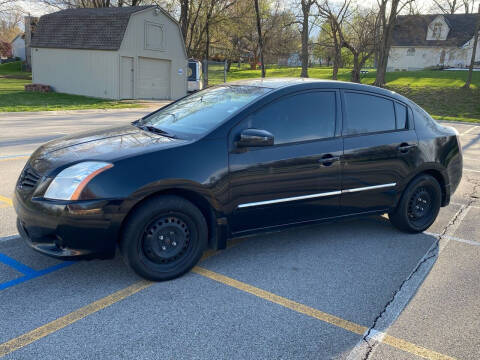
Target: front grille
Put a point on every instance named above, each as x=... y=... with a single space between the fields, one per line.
x=28 y=178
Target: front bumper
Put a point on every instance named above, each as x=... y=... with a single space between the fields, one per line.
x=84 y=229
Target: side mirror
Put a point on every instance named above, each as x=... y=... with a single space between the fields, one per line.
x=255 y=137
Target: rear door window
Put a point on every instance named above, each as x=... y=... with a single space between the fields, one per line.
x=367 y=114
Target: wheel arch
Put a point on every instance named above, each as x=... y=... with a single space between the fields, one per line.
x=439 y=175
x=212 y=217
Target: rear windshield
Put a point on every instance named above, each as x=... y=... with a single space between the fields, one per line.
x=201 y=112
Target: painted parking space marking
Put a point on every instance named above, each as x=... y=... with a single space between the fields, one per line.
x=14 y=157
x=320 y=315
x=454 y=238
x=472 y=170
x=58 y=324
x=290 y=304
x=27 y=272
x=32 y=274
x=5 y=200
x=51 y=327
x=470 y=129
x=24 y=269
x=69 y=319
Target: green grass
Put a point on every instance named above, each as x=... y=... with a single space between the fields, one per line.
x=438 y=92
x=14 y=98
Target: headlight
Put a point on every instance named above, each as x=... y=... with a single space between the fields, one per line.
x=70 y=182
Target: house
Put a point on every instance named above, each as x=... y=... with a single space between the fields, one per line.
x=18 y=47
x=133 y=52
x=294 y=59
x=422 y=41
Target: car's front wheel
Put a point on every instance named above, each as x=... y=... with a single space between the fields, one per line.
x=419 y=206
x=164 y=237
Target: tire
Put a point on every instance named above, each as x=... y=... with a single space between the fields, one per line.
x=419 y=205
x=164 y=238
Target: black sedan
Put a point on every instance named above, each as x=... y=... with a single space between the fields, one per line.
x=234 y=159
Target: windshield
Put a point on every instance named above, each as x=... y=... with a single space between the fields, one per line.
x=201 y=112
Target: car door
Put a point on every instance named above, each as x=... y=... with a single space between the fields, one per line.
x=380 y=148
x=295 y=179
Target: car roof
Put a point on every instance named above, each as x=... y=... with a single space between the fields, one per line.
x=280 y=83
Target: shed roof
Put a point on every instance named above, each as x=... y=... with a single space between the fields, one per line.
x=411 y=30
x=99 y=29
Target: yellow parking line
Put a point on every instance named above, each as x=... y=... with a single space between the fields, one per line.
x=295 y=306
x=414 y=349
x=14 y=158
x=60 y=323
x=320 y=315
x=64 y=321
x=6 y=200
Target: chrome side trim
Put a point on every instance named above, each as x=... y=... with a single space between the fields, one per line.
x=330 y=193
x=368 y=188
x=312 y=196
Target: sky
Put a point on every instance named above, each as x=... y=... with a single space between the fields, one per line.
x=36 y=9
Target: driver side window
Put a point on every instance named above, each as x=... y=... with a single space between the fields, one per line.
x=300 y=117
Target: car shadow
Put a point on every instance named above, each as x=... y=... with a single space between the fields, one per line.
x=350 y=269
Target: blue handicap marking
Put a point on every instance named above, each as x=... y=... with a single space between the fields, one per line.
x=24 y=269
x=28 y=272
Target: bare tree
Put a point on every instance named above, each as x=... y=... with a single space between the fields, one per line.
x=447 y=6
x=260 y=37
x=469 y=6
x=387 y=16
x=474 y=51
x=10 y=24
x=8 y=8
x=334 y=16
x=306 y=6
x=64 y=4
x=359 y=38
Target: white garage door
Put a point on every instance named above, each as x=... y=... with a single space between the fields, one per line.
x=153 y=78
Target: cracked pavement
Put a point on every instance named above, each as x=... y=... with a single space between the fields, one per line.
x=421 y=289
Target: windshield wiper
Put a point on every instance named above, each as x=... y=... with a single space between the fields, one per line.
x=155 y=130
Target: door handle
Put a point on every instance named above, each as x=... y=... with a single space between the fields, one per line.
x=328 y=159
x=405 y=147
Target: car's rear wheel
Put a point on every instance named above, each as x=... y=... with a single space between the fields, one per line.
x=164 y=238
x=419 y=206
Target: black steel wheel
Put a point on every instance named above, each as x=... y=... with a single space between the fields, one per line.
x=419 y=206
x=164 y=238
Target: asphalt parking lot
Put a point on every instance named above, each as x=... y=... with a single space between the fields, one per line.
x=354 y=289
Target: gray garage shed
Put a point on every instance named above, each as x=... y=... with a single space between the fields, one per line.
x=117 y=53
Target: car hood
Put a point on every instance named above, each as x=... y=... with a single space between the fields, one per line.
x=106 y=145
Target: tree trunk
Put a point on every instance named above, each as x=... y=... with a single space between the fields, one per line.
x=474 y=51
x=356 y=69
x=184 y=18
x=386 y=44
x=207 y=55
x=337 y=57
x=260 y=39
x=381 y=69
x=304 y=56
